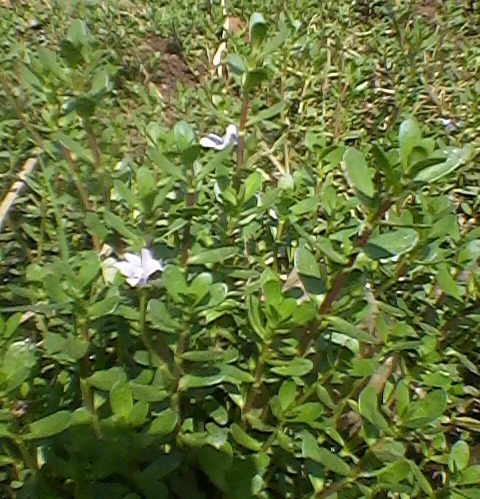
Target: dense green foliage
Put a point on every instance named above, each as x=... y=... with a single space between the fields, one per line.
x=314 y=331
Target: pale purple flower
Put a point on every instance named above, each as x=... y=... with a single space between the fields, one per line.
x=450 y=125
x=213 y=141
x=138 y=269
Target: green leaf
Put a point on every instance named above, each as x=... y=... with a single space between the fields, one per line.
x=254 y=78
x=83 y=106
x=272 y=292
x=95 y=226
x=235 y=375
x=11 y=325
x=252 y=186
x=103 y=307
x=459 y=456
x=104 y=380
x=469 y=493
x=166 y=166
x=266 y=114
x=325 y=245
x=456 y=158
x=306 y=263
x=420 y=477
x=389 y=450
x=287 y=393
x=295 y=367
x=74 y=147
x=358 y=174
x=51 y=425
x=216 y=465
x=470 y=476
x=304 y=313
x=324 y=396
x=201 y=379
x=244 y=439
x=217 y=255
x=118 y=224
x=273 y=44
x=237 y=63
x=48 y=59
x=343 y=326
x=175 y=282
x=396 y=472
x=258 y=31
x=160 y=316
x=184 y=135
x=31 y=80
x=255 y=316
x=146 y=185
x=125 y=193
x=148 y=393
x=384 y=164
x=54 y=288
x=71 y=54
x=203 y=356
x=78 y=33
x=402 y=396
x=286 y=182
x=308 y=412
x=218 y=413
x=368 y=407
x=391 y=244
x=425 y=411
x=89 y=269
x=121 y=399
x=139 y=413
x=310 y=447
x=215 y=162
x=332 y=462
x=164 y=423
x=409 y=136
x=17 y=364
x=308 y=205
x=447 y=283
x=75 y=348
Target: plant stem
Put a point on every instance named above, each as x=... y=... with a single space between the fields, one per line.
x=81 y=190
x=342 y=276
x=143 y=301
x=92 y=142
x=178 y=371
x=62 y=239
x=253 y=391
x=241 y=140
x=190 y=201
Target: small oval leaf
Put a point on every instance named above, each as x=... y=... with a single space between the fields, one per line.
x=50 y=425
x=217 y=255
x=358 y=174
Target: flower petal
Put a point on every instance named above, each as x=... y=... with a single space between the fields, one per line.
x=133 y=259
x=149 y=264
x=213 y=141
x=136 y=281
x=129 y=270
x=231 y=135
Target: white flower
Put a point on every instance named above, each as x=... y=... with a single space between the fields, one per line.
x=213 y=141
x=138 y=269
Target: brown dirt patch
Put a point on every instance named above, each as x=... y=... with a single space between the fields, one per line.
x=159 y=63
x=169 y=67
x=430 y=10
